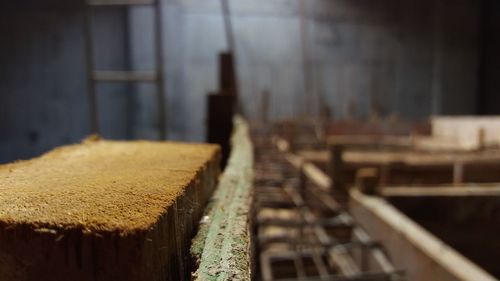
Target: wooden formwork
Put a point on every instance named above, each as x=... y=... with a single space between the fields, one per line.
x=302 y=233
x=420 y=253
x=400 y=161
x=427 y=171
x=465 y=217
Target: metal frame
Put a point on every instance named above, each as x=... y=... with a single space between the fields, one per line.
x=96 y=76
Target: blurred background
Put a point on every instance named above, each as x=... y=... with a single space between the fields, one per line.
x=355 y=59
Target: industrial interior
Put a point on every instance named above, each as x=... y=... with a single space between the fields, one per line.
x=267 y=140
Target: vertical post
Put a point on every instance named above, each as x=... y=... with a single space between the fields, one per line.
x=160 y=88
x=227 y=74
x=302 y=192
x=228 y=26
x=289 y=134
x=481 y=138
x=302 y=180
x=367 y=181
x=385 y=174
x=89 y=57
x=220 y=111
x=458 y=173
x=336 y=168
x=264 y=107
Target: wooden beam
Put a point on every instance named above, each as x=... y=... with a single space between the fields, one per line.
x=371 y=142
x=437 y=143
x=376 y=252
x=342 y=260
x=405 y=158
x=425 y=257
x=312 y=172
x=336 y=171
x=442 y=191
x=470 y=132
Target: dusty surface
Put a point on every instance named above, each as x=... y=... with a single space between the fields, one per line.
x=99 y=186
x=222 y=246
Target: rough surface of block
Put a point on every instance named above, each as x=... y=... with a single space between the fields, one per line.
x=104 y=210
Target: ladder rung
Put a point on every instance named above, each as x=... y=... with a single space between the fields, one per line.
x=120 y=2
x=125 y=76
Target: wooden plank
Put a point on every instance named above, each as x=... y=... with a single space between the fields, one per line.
x=104 y=210
x=343 y=262
x=396 y=143
x=371 y=142
x=409 y=167
x=425 y=257
x=436 y=142
x=444 y=191
x=470 y=132
x=378 y=128
x=265 y=265
x=408 y=158
x=376 y=252
x=312 y=172
x=222 y=247
x=315 y=156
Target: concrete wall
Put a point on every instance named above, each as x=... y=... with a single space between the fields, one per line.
x=43 y=84
x=41 y=103
x=409 y=58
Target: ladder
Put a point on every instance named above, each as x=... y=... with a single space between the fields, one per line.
x=153 y=76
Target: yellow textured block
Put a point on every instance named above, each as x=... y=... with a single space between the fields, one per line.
x=104 y=210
